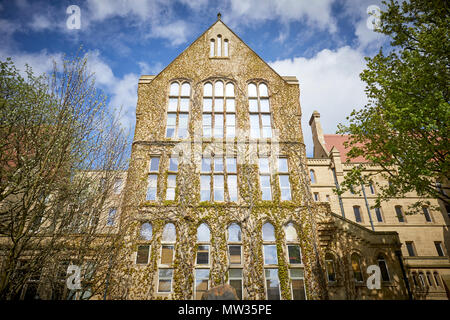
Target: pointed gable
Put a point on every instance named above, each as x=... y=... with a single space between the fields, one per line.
x=236 y=63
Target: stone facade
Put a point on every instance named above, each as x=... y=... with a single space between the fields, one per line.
x=157 y=265
x=427 y=270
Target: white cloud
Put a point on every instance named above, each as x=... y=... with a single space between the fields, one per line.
x=316 y=13
x=40 y=23
x=147 y=69
x=40 y=62
x=124 y=98
x=330 y=84
x=155 y=18
x=176 y=32
x=121 y=91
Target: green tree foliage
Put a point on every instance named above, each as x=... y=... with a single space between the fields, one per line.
x=405 y=126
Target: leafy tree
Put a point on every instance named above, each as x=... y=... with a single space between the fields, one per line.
x=405 y=126
x=58 y=140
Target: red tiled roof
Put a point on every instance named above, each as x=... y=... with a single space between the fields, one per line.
x=337 y=141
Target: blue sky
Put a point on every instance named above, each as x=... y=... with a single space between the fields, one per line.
x=322 y=42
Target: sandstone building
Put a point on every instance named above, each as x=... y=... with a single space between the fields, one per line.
x=219 y=191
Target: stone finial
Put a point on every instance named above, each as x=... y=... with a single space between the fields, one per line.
x=219 y=15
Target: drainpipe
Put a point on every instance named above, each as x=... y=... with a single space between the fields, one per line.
x=398 y=253
x=367 y=206
x=338 y=188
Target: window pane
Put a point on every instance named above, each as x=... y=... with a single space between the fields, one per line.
x=203 y=233
x=234 y=232
x=218 y=165
x=225 y=48
x=167 y=254
x=410 y=248
x=165 y=273
x=164 y=285
x=266 y=194
x=254 y=126
x=211 y=48
x=230 y=90
x=184 y=104
x=235 y=254
x=237 y=285
x=231 y=120
x=296 y=273
x=329 y=265
x=298 y=290
x=282 y=165
x=232 y=187
x=291 y=233
x=231 y=165
x=398 y=211
x=270 y=254
x=171 y=180
x=265 y=105
x=218 y=105
x=169 y=233
x=286 y=194
x=146 y=231
x=378 y=214
x=439 y=250
x=357 y=214
x=218 y=181
x=173 y=164
x=170 y=132
x=205 y=183
x=201 y=286
x=265 y=120
x=207 y=105
x=218 y=188
x=265 y=182
x=294 y=254
x=174 y=89
x=173 y=103
x=203 y=254
x=253 y=105
x=273 y=289
x=171 y=119
x=231 y=105
x=206 y=165
x=218 y=89
x=170 y=194
x=235 y=273
x=186 y=89
x=263 y=90
x=142 y=254
x=312 y=176
x=183 y=123
x=356 y=266
x=268 y=232
x=263 y=165
x=267 y=132
x=427 y=214
x=252 y=90
x=383 y=268
x=154 y=164
x=284 y=181
x=207 y=90
x=151 y=194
